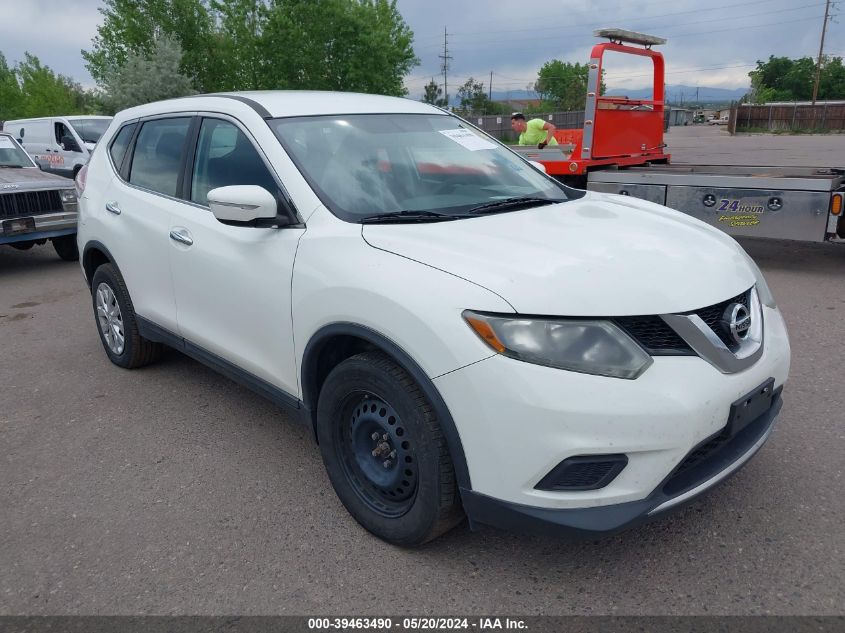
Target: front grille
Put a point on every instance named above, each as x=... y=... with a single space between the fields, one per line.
x=658 y=339
x=712 y=316
x=717 y=453
x=654 y=335
x=26 y=203
x=702 y=452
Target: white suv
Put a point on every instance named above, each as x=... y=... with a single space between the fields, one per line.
x=465 y=334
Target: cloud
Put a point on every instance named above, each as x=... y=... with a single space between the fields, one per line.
x=54 y=31
x=711 y=44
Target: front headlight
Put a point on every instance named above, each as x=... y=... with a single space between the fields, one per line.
x=763 y=291
x=586 y=346
x=68 y=199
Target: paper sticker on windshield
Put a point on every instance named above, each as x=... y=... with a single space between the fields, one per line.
x=471 y=141
x=6 y=143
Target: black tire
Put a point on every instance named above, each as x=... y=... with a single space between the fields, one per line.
x=66 y=247
x=137 y=351
x=415 y=498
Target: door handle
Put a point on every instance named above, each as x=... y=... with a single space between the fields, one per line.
x=113 y=208
x=182 y=236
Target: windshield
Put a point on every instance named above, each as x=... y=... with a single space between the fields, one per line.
x=90 y=130
x=11 y=154
x=368 y=165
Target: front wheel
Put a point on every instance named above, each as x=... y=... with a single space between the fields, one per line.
x=66 y=247
x=385 y=452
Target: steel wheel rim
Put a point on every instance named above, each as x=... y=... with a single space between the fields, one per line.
x=372 y=433
x=110 y=319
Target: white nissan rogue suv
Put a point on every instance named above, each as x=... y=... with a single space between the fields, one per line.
x=465 y=335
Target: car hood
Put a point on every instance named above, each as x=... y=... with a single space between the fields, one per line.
x=30 y=179
x=600 y=255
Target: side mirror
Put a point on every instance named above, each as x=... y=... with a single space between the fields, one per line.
x=242 y=203
x=538 y=166
x=70 y=145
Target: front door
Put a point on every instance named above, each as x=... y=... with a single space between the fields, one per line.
x=233 y=283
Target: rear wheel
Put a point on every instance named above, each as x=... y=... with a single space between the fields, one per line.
x=385 y=452
x=66 y=247
x=116 y=321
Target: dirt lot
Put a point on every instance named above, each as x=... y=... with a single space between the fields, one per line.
x=171 y=490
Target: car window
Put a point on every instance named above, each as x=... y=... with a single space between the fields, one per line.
x=90 y=130
x=119 y=145
x=61 y=132
x=11 y=155
x=364 y=165
x=157 y=156
x=224 y=157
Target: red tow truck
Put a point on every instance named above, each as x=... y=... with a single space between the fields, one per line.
x=620 y=150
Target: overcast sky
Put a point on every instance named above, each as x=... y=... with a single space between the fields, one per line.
x=711 y=43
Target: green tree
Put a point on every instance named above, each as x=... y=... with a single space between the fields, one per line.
x=10 y=92
x=351 y=45
x=785 y=79
x=240 y=43
x=472 y=97
x=832 y=80
x=564 y=85
x=146 y=78
x=43 y=93
x=433 y=93
x=356 y=45
x=133 y=26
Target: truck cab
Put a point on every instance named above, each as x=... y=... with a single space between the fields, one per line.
x=60 y=145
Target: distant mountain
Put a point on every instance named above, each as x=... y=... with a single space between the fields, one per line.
x=674 y=94
x=686 y=94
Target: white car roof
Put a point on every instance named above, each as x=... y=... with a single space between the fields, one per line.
x=285 y=103
x=76 y=117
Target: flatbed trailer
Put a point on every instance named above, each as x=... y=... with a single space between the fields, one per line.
x=620 y=151
x=795 y=203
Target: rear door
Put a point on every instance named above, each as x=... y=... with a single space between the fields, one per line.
x=139 y=205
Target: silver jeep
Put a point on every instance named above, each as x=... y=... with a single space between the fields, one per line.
x=34 y=206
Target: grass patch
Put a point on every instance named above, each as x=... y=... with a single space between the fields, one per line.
x=786 y=132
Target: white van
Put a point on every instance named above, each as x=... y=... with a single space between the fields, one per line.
x=61 y=144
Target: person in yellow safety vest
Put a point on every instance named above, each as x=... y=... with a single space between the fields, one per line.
x=534 y=132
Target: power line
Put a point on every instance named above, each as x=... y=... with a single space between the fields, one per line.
x=570 y=25
x=670 y=28
x=708 y=32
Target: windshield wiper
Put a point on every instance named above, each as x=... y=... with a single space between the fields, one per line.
x=407 y=216
x=510 y=203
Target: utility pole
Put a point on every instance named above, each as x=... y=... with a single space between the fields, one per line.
x=821 y=52
x=445 y=66
x=490 y=91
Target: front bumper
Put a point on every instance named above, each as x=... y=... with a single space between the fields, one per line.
x=46 y=226
x=607 y=520
x=518 y=421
